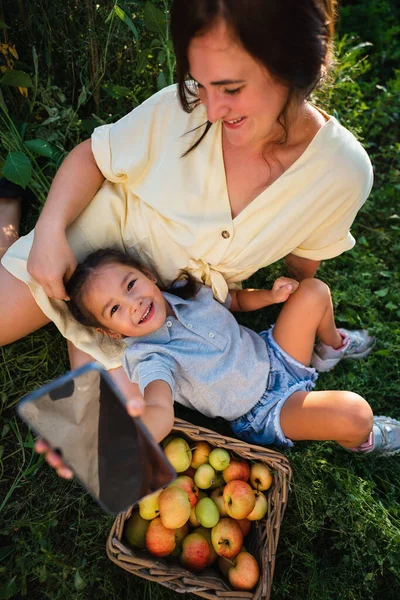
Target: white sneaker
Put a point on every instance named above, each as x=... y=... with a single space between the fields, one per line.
x=356 y=344
x=384 y=438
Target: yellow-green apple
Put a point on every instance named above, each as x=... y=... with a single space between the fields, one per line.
x=204 y=476
x=260 y=477
x=245 y=573
x=245 y=525
x=179 y=454
x=180 y=535
x=227 y=537
x=135 y=530
x=260 y=507
x=193 y=519
x=160 y=540
x=200 y=454
x=174 y=507
x=237 y=469
x=207 y=512
x=239 y=499
x=219 y=459
x=195 y=552
x=186 y=483
x=206 y=533
x=148 y=506
x=217 y=496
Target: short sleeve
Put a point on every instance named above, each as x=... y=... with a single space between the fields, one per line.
x=155 y=366
x=123 y=150
x=351 y=179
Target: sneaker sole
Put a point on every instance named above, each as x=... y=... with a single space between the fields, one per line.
x=323 y=366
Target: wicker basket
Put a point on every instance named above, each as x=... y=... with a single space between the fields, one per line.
x=262 y=541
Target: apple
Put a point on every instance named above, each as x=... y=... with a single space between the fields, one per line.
x=179 y=454
x=148 y=506
x=217 y=496
x=245 y=525
x=135 y=530
x=219 y=459
x=206 y=533
x=167 y=440
x=227 y=537
x=260 y=507
x=186 y=483
x=160 y=540
x=200 y=454
x=193 y=519
x=204 y=476
x=174 y=507
x=195 y=552
x=180 y=535
x=245 y=573
x=218 y=481
x=239 y=499
x=260 y=477
x=237 y=469
x=225 y=564
x=207 y=512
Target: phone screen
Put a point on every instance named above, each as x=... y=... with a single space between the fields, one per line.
x=82 y=415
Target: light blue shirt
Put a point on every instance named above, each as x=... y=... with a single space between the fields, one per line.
x=211 y=363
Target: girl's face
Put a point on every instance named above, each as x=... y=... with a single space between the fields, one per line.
x=235 y=88
x=125 y=301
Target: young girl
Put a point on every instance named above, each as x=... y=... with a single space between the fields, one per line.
x=182 y=345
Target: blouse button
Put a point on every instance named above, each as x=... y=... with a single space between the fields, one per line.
x=189 y=326
x=225 y=234
x=211 y=334
x=169 y=323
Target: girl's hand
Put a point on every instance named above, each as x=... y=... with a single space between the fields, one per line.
x=283 y=287
x=50 y=261
x=134 y=406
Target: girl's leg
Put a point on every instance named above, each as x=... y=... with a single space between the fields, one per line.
x=306 y=314
x=343 y=417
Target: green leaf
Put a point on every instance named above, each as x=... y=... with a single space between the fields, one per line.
x=155 y=20
x=381 y=293
x=41 y=147
x=5 y=430
x=3 y=25
x=116 y=91
x=18 y=168
x=124 y=17
x=17 y=79
x=79 y=583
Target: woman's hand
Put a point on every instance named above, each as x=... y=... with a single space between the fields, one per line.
x=135 y=408
x=50 y=261
x=283 y=287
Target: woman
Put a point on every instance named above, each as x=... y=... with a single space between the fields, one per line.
x=226 y=174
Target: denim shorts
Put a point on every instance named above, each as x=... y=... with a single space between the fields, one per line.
x=261 y=425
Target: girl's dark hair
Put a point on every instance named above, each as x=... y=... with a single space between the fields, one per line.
x=291 y=38
x=184 y=286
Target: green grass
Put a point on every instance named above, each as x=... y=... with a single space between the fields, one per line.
x=340 y=537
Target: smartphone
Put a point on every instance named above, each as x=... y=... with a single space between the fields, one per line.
x=82 y=415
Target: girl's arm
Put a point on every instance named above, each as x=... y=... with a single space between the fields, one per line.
x=301 y=268
x=74 y=185
x=247 y=300
x=157 y=411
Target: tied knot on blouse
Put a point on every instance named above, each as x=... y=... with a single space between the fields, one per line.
x=209 y=276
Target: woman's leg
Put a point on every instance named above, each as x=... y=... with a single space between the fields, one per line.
x=343 y=417
x=306 y=314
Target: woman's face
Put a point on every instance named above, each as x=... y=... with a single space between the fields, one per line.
x=235 y=88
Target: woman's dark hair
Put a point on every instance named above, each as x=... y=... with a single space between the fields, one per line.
x=184 y=286
x=292 y=38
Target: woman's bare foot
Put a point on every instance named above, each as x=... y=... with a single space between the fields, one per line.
x=10 y=214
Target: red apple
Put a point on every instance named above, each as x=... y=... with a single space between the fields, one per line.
x=239 y=499
x=260 y=507
x=186 y=483
x=237 y=469
x=174 y=507
x=260 y=477
x=227 y=537
x=160 y=540
x=245 y=573
x=195 y=552
x=206 y=533
x=245 y=526
x=217 y=496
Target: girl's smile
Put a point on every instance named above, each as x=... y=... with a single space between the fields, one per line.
x=125 y=301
